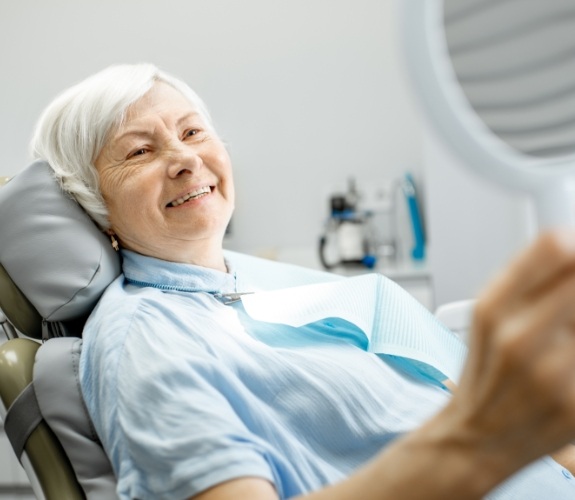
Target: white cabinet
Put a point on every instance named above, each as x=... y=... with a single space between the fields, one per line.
x=413 y=276
x=416 y=279
x=420 y=286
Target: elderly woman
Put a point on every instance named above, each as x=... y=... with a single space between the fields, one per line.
x=192 y=398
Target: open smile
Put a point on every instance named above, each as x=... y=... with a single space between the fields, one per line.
x=193 y=195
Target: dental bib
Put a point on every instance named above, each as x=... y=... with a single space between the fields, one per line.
x=389 y=320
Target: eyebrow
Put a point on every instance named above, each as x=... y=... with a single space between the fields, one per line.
x=141 y=132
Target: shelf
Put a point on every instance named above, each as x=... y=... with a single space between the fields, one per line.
x=396 y=272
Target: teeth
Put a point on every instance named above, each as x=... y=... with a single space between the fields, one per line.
x=194 y=194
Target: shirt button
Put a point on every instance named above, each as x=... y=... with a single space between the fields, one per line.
x=567 y=474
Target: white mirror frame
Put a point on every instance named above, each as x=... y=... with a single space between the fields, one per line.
x=551 y=182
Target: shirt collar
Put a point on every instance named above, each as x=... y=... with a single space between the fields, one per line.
x=143 y=270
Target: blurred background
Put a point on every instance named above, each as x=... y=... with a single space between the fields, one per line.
x=311 y=98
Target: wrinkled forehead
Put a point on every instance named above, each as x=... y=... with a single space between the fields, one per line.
x=161 y=98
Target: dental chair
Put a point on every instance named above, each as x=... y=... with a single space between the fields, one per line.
x=54 y=265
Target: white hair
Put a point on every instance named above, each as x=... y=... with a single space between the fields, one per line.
x=73 y=129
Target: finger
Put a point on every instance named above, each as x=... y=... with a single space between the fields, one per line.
x=549 y=258
x=545 y=320
x=554 y=373
x=522 y=327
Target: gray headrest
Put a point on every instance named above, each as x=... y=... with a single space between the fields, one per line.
x=50 y=248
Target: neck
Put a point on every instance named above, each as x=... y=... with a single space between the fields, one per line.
x=211 y=260
x=206 y=253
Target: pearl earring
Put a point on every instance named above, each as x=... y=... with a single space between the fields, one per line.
x=115 y=244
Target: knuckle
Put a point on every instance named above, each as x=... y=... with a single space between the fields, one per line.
x=486 y=314
x=483 y=311
x=510 y=345
x=513 y=340
x=556 y=244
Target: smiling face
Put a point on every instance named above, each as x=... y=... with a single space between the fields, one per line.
x=167 y=181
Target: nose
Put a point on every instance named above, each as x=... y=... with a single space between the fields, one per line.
x=182 y=159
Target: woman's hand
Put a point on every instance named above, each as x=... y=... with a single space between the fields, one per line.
x=516 y=398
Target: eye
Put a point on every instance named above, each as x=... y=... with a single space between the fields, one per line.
x=191 y=132
x=138 y=152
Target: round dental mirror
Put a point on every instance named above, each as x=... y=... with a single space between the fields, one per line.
x=496 y=79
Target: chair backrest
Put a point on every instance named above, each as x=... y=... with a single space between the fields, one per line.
x=54 y=265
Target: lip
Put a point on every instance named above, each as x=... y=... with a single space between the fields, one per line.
x=185 y=193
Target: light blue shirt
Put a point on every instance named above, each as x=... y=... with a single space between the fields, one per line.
x=187 y=392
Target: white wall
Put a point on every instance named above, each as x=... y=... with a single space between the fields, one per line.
x=306 y=92
x=475 y=226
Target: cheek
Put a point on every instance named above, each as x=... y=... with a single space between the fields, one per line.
x=120 y=214
x=125 y=205
x=222 y=160
x=228 y=176
x=231 y=198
